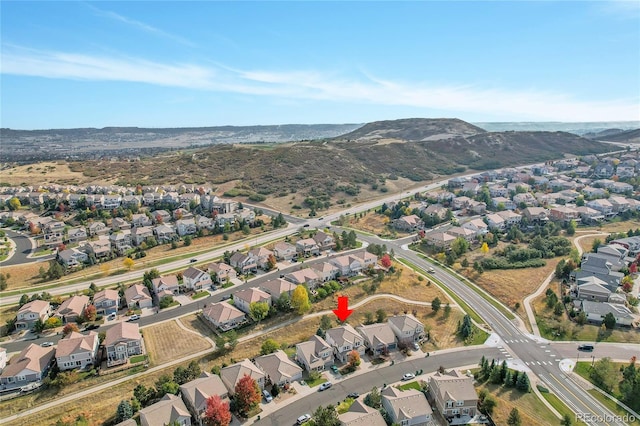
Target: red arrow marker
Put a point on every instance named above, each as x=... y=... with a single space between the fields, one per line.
x=343 y=310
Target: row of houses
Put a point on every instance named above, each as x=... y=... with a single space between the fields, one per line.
x=74 y=351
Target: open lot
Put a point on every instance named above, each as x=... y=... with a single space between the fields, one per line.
x=168 y=341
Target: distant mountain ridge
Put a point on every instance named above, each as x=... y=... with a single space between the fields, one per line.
x=413 y=130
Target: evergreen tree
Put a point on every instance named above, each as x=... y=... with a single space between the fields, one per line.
x=503 y=371
x=124 y=411
x=494 y=377
x=523 y=382
x=514 y=418
x=508 y=379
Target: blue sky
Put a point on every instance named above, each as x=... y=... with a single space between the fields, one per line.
x=180 y=64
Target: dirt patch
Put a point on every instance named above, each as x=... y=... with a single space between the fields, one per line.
x=42 y=173
x=168 y=341
x=532 y=410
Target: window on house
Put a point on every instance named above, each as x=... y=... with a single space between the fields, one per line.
x=459 y=403
x=449 y=404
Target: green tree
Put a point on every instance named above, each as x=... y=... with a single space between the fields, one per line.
x=283 y=304
x=300 y=300
x=269 y=346
x=523 y=382
x=571 y=228
x=187 y=240
x=56 y=271
x=447 y=310
x=325 y=416
x=24 y=299
x=514 y=418
x=326 y=322
x=373 y=398
x=566 y=420
x=459 y=246
x=596 y=243
x=609 y=321
x=435 y=305
x=258 y=310
x=488 y=404
x=143 y=394
x=124 y=411
x=604 y=374
x=166 y=385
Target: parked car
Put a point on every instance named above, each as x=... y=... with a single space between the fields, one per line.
x=226 y=297
x=267 y=396
x=416 y=347
x=46 y=344
x=112 y=316
x=92 y=327
x=303 y=418
x=134 y=317
x=353 y=395
x=586 y=348
x=325 y=386
x=334 y=368
x=408 y=376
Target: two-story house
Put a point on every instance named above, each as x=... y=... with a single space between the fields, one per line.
x=244 y=298
x=453 y=394
x=196 y=392
x=72 y=258
x=261 y=256
x=31 y=312
x=222 y=272
x=140 y=220
x=186 y=227
x=276 y=287
x=138 y=296
x=324 y=241
x=278 y=368
x=232 y=374
x=195 y=279
x=361 y=414
x=106 y=301
x=170 y=410
x=168 y=283
x=72 y=308
x=409 y=407
x=307 y=247
x=122 y=341
x=141 y=234
x=284 y=251
x=407 y=328
x=344 y=339
x=315 y=354
x=307 y=276
x=243 y=263
x=77 y=351
x=30 y=366
x=379 y=338
x=408 y=223
x=77 y=234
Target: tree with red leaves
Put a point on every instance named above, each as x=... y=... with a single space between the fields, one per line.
x=633 y=268
x=70 y=328
x=217 y=412
x=90 y=313
x=247 y=395
x=385 y=261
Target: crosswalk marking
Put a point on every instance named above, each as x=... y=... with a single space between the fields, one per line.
x=539 y=363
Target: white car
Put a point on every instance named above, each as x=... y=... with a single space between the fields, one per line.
x=408 y=376
x=303 y=418
x=46 y=344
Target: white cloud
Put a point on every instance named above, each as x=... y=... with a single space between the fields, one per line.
x=292 y=85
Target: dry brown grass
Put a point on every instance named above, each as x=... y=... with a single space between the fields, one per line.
x=42 y=173
x=532 y=410
x=373 y=223
x=167 y=341
x=192 y=322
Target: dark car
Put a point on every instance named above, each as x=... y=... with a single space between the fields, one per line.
x=586 y=348
x=193 y=260
x=92 y=327
x=226 y=297
x=353 y=395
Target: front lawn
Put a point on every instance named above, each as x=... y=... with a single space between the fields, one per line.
x=200 y=295
x=137 y=358
x=314 y=383
x=411 y=385
x=344 y=406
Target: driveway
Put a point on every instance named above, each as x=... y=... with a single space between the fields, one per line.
x=24 y=247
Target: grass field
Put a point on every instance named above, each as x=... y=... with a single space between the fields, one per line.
x=560 y=406
x=167 y=341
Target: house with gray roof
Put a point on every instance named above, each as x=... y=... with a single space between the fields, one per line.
x=224 y=315
x=360 y=414
x=407 y=328
x=344 y=339
x=453 y=394
x=196 y=392
x=278 y=368
x=408 y=407
x=72 y=308
x=379 y=338
x=314 y=354
x=122 y=341
x=169 y=410
x=31 y=312
x=594 y=290
x=596 y=311
x=232 y=374
x=106 y=301
x=77 y=350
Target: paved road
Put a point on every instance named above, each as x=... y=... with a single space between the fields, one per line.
x=363 y=383
x=24 y=247
x=621 y=352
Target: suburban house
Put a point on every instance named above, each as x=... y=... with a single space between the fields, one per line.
x=453 y=394
x=314 y=354
x=77 y=235
x=408 y=407
x=118 y=224
x=536 y=215
x=276 y=287
x=72 y=258
x=325 y=271
x=596 y=311
x=243 y=263
x=477 y=226
x=77 y=351
x=138 y=296
x=244 y=298
x=186 y=227
x=72 y=308
x=307 y=276
x=99 y=248
x=261 y=256
x=30 y=366
x=344 y=339
x=106 y=301
x=196 y=392
x=495 y=221
x=168 y=283
x=378 y=338
x=603 y=206
x=232 y=374
x=164 y=233
x=170 y=410
x=141 y=234
x=563 y=213
x=121 y=241
x=460 y=232
x=594 y=291
x=278 y=368
x=324 y=241
x=161 y=216
x=195 y=279
x=222 y=271
x=360 y=414
x=440 y=240
x=122 y=341
x=284 y=251
x=354 y=263
x=408 y=223
x=406 y=328
x=98 y=228
x=307 y=247
x=140 y=220
x=224 y=315
x=31 y=312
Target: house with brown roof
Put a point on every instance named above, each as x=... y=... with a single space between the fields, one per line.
x=232 y=374
x=453 y=394
x=284 y=251
x=77 y=351
x=138 y=296
x=222 y=271
x=244 y=298
x=243 y=263
x=314 y=354
x=261 y=256
x=360 y=414
x=307 y=276
x=324 y=241
x=354 y=263
x=379 y=338
x=168 y=283
x=307 y=247
x=31 y=312
x=196 y=392
x=325 y=271
x=141 y=233
x=30 y=366
x=72 y=308
x=408 y=223
x=106 y=301
x=98 y=228
x=99 y=248
x=224 y=315
x=407 y=328
x=169 y=410
x=195 y=279
x=278 y=368
x=344 y=339
x=122 y=341
x=276 y=287
x=408 y=407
